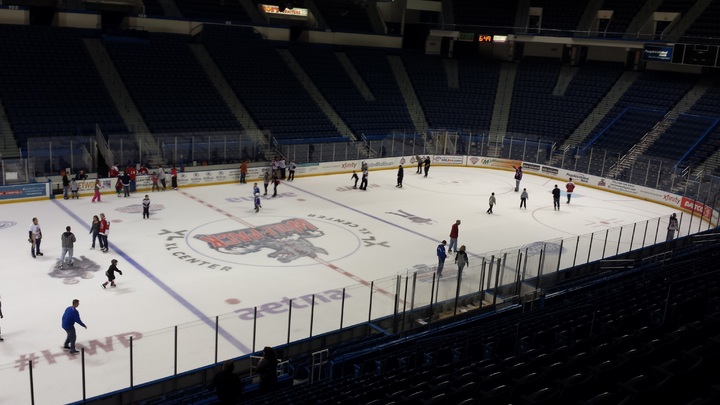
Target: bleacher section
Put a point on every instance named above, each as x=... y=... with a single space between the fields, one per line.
x=623 y=13
x=213 y=10
x=346 y=16
x=650 y=97
x=153 y=8
x=560 y=15
x=537 y=113
x=264 y=83
x=55 y=89
x=378 y=116
x=682 y=136
x=467 y=107
x=704 y=29
x=498 y=19
x=375 y=70
x=168 y=84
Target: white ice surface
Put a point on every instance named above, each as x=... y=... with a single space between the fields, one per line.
x=360 y=236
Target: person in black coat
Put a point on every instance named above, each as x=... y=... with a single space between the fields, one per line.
x=267 y=370
x=110 y=273
x=400 y=176
x=227 y=384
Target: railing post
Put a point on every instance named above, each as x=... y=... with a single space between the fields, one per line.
x=342 y=309
x=32 y=383
x=312 y=314
x=217 y=335
x=82 y=364
x=255 y=328
x=289 y=320
x=131 y=361
x=175 y=351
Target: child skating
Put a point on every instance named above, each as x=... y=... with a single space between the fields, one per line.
x=257 y=202
x=110 y=273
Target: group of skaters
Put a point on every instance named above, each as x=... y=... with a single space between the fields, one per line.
x=278 y=171
x=71 y=187
x=461 y=257
x=569 y=188
x=126 y=180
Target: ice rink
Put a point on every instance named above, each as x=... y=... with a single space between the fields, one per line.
x=204 y=252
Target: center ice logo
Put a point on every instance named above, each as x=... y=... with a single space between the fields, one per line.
x=289 y=240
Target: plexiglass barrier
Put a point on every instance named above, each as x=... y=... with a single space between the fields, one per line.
x=410 y=299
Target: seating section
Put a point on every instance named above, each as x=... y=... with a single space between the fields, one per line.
x=704 y=29
x=560 y=15
x=168 y=85
x=467 y=107
x=623 y=13
x=265 y=84
x=537 y=113
x=55 y=89
x=649 y=98
x=681 y=136
x=209 y=10
x=385 y=112
x=346 y=16
x=153 y=8
x=497 y=19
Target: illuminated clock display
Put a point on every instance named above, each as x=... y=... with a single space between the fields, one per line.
x=485 y=38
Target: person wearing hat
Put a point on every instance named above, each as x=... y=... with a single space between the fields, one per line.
x=672 y=227
x=110 y=273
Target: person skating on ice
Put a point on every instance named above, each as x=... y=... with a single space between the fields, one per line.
x=523 y=199
x=110 y=273
x=441 y=258
x=35 y=237
x=556 y=198
x=146 y=207
x=95 y=231
x=276 y=183
x=454 y=231
x=363 y=183
x=70 y=317
x=419 y=163
x=492 y=201
x=67 y=241
x=356 y=178
x=569 y=187
x=257 y=202
x=104 y=232
x=427 y=165
x=461 y=259
x=256 y=189
x=400 y=175
x=518 y=177
x=266 y=180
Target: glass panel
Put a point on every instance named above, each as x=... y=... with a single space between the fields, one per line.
x=153 y=355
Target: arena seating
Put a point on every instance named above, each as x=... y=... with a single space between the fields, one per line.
x=623 y=13
x=54 y=90
x=385 y=112
x=345 y=16
x=559 y=15
x=704 y=29
x=681 y=136
x=498 y=19
x=265 y=84
x=153 y=8
x=469 y=106
x=655 y=93
x=538 y=114
x=168 y=85
x=213 y=10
